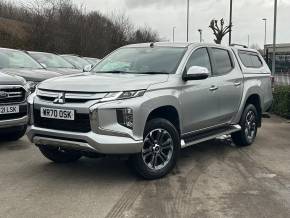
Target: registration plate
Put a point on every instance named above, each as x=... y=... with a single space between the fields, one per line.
x=12 y=109
x=59 y=114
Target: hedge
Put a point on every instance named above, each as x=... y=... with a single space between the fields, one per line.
x=281 y=104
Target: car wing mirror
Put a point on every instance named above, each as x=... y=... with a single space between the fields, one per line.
x=43 y=65
x=88 y=68
x=196 y=73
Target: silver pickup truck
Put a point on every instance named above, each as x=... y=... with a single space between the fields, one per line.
x=150 y=100
x=13 y=107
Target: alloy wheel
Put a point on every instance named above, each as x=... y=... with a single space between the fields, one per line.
x=157 y=149
x=250 y=125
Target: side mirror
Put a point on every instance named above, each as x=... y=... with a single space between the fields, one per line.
x=43 y=65
x=196 y=73
x=87 y=68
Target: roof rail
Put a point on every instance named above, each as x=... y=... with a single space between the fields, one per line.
x=244 y=46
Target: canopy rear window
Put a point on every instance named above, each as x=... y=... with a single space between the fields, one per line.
x=250 y=59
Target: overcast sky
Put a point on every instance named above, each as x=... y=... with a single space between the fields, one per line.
x=162 y=15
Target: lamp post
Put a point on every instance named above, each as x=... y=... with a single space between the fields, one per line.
x=265 y=39
x=200 y=34
x=187 y=28
x=274 y=39
x=173 y=33
x=231 y=18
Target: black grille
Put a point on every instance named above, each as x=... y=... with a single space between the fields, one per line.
x=13 y=95
x=22 y=113
x=67 y=100
x=80 y=124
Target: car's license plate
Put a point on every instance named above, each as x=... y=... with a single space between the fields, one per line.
x=11 y=109
x=60 y=114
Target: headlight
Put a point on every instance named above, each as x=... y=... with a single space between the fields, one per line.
x=123 y=95
x=30 y=98
x=125 y=117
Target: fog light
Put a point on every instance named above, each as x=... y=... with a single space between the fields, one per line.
x=125 y=117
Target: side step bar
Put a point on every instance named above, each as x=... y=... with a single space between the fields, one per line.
x=202 y=137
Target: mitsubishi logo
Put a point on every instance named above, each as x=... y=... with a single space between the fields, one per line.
x=3 y=94
x=60 y=99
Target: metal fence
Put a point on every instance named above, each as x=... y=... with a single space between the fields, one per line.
x=282 y=79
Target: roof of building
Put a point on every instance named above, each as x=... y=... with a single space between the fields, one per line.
x=280 y=48
x=280 y=45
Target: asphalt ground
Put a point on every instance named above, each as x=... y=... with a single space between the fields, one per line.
x=212 y=179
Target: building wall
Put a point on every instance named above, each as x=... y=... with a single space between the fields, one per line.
x=282 y=57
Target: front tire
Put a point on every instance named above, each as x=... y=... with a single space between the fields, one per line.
x=160 y=150
x=58 y=155
x=249 y=123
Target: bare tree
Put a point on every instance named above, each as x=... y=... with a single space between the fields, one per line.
x=219 y=31
x=62 y=27
x=145 y=34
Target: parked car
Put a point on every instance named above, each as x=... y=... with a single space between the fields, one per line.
x=19 y=63
x=93 y=61
x=54 y=62
x=150 y=101
x=78 y=62
x=13 y=107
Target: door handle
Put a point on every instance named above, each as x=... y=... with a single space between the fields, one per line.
x=237 y=83
x=213 y=88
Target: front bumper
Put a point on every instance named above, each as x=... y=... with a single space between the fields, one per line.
x=105 y=135
x=13 y=122
x=103 y=144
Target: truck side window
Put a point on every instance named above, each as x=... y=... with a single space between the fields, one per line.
x=199 y=58
x=222 y=60
x=257 y=63
x=250 y=59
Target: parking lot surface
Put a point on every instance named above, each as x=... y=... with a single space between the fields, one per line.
x=213 y=179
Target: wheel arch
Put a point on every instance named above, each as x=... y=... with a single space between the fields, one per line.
x=255 y=100
x=167 y=112
x=252 y=94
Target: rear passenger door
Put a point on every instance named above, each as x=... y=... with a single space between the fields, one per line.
x=229 y=81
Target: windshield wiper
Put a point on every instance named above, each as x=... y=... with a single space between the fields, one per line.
x=154 y=72
x=29 y=68
x=113 y=71
x=133 y=72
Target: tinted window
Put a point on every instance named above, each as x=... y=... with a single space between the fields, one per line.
x=223 y=63
x=51 y=60
x=246 y=59
x=256 y=61
x=250 y=60
x=199 y=58
x=78 y=62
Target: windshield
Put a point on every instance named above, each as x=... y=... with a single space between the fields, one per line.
x=51 y=60
x=142 y=60
x=17 y=59
x=78 y=62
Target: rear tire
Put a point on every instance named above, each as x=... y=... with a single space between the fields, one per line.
x=58 y=155
x=249 y=123
x=13 y=133
x=160 y=150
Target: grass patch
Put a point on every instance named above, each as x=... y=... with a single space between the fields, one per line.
x=281 y=104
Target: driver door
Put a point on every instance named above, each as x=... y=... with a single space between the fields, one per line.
x=200 y=106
